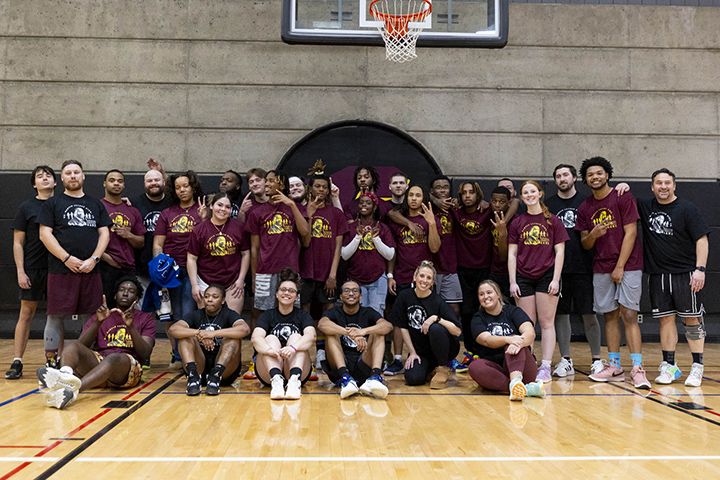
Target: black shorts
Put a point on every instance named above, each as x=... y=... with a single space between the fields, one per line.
x=576 y=294
x=314 y=291
x=670 y=294
x=531 y=286
x=358 y=369
x=38 y=286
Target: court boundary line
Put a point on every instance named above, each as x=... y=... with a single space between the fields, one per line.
x=590 y=458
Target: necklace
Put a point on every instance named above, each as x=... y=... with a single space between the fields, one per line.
x=219 y=230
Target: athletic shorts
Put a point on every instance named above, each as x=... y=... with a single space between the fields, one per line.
x=314 y=291
x=608 y=296
x=358 y=369
x=576 y=294
x=670 y=294
x=266 y=285
x=531 y=286
x=73 y=293
x=134 y=375
x=38 y=286
x=448 y=287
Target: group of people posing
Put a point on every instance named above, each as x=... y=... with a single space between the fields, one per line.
x=422 y=268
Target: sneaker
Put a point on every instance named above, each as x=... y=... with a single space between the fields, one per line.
x=518 y=391
x=457 y=367
x=609 y=373
x=348 y=386
x=695 y=377
x=535 y=389
x=15 y=371
x=440 y=379
x=313 y=375
x=319 y=358
x=293 y=388
x=564 y=368
x=58 y=379
x=52 y=361
x=277 y=385
x=596 y=367
x=146 y=365
x=59 y=398
x=544 y=374
x=469 y=358
x=397 y=367
x=213 y=385
x=668 y=373
x=250 y=374
x=193 y=386
x=375 y=387
x=639 y=380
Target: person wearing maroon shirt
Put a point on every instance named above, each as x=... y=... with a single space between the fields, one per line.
x=500 y=199
x=474 y=252
x=172 y=234
x=536 y=250
x=219 y=254
x=127 y=234
x=608 y=223
x=256 y=196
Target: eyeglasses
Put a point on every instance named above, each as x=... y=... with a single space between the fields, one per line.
x=287 y=290
x=351 y=290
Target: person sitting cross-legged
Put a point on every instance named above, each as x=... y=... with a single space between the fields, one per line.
x=110 y=351
x=355 y=344
x=209 y=342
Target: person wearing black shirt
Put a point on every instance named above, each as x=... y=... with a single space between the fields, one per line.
x=429 y=328
x=675 y=241
x=74 y=229
x=30 y=260
x=355 y=344
x=209 y=342
x=505 y=334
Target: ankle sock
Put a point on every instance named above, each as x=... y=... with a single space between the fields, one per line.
x=343 y=371
x=275 y=371
x=636 y=359
x=295 y=371
x=614 y=358
x=697 y=358
x=669 y=356
x=218 y=370
x=191 y=369
x=375 y=371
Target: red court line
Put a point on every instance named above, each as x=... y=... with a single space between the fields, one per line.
x=680 y=401
x=73 y=432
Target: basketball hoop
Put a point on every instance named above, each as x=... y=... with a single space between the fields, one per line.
x=400 y=37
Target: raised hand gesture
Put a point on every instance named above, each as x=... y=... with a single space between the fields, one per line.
x=103 y=312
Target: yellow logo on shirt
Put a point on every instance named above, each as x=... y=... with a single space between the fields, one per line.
x=471 y=227
x=182 y=224
x=446 y=225
x=408 y=237
x=221 y=245
x=534 y=234
x=366 y=243
x=605 y=216
x=117 y=336
x=279 y=223
x=321 y=228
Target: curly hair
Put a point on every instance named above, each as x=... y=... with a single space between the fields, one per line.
x=373 y=175
x=133 y=279
x=287 y=274
x=194 y=182
x=476 y=189
x=595 y=162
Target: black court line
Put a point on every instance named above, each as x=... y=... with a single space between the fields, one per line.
x=87 y=443
x=652 y=399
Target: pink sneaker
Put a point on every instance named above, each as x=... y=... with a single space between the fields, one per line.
x=609 y=373
x=639 y=380
x=544 y=374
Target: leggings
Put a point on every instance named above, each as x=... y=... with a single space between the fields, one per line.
x=444 y=347
x=592 y=332
x=492 y=376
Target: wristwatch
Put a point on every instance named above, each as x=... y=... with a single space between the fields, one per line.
x=702 y=269
x=389 y=275
x=97 y=259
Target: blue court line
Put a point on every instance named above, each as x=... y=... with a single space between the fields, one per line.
x=18 y=398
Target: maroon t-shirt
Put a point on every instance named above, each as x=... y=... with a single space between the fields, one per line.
x=367 y=265
x=279 y=236
x=177 y=223
x=410 y=250
x=218 y=251
x=118 y=248
x=499 y=265
x=326 y=224
x=617 y=211
x=351 y=209
x=536 y=241
x=472 y=238
x=446 y=258
x=113 y=336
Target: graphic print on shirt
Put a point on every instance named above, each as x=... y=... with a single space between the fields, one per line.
x=445 y=225
x=604 y=215
x=408 y=237
x=150 y=221
x=119 y=219
x=283 y=331
x=568 y=216
x=366 y=243
x=220 y=245
x=534 y=234
x=416 y=316
x=347 y=341
x=321 y=228
x=79 y=216
x=217 y=341
x=471 y=227
x=182 y=224
x=279 y=223
x=500 y=329
x=118 y=336
x=660 y=223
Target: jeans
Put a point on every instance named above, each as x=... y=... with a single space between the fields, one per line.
x=373 y=295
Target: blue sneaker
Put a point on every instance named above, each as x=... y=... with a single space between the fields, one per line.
x=397 y=367
x=457 y=367
x=348 y=386
x=375 y=387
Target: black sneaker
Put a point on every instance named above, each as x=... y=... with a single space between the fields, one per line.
x=193 y=386
x=213 y=384
x=15 y=371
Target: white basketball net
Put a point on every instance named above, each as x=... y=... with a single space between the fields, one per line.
x=399 y=34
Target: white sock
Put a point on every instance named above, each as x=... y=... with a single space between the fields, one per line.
x=18 y=359
x=547 y=362
x=398 y=357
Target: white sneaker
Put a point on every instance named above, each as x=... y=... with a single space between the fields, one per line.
x=695 y=377
x=60 y=398
x=375 y=387
x=564 y=368
x=596 y=367
x=293 y=388
x=348 y=386
x=57 y=379
x=668 y=373
x=277 y=385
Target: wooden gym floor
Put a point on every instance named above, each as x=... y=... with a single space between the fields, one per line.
x=581 y=429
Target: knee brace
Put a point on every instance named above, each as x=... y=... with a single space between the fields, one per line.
x=695 y=332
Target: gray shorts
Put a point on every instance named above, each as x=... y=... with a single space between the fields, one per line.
x=608 y=296
x=448 y=287
x=266 y=285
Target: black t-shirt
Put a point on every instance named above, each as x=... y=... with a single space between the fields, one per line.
x=365 y=317
x=410 y=312
x=200 y=320
x=669 y=235
x=35 y=255
x=282 y=326
x=577 y=259
x=505 y=324
x=149 y=211
x=75 y=223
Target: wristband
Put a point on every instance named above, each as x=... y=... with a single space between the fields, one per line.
x=67 y=258
x=293 y=348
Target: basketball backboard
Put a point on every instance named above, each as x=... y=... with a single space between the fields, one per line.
x=452 y=23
